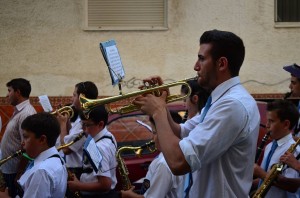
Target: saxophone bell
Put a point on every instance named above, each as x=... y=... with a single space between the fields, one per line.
x=126 y=184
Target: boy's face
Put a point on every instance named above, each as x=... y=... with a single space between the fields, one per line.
x=31 y=144
x=91 y=128
x=278 y=128
x=295 y=86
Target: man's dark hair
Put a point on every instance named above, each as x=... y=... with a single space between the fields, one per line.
x=196 y=90
x=20 y=84
x=43 y=124
x=226 y=44
x=285 y=110
x=96 y=115
x=88 y=88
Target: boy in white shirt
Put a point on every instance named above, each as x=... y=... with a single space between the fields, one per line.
x=46 y=175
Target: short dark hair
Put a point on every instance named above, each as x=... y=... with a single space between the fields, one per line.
x=20 y=84
x=43 y=124
x=88 y=88
x=97 y=114
x=196 y=90
x=225 y=44
x=285 y=110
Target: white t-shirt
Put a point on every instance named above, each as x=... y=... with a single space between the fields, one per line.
x=162 y=182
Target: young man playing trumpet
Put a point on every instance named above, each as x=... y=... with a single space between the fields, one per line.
x=46 y=175
x=70 y=129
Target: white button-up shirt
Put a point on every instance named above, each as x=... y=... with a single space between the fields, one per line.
x=222 y=148
x=47 y=178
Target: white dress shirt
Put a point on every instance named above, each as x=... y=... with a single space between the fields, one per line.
x=13 y=136
x=74 y=159
x=47 y=178
x=108 y=164
x=222 y=148
x=162 y=182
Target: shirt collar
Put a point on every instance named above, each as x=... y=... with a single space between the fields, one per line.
x=222 y=88
x=100 y=134
x=45 y=154
x=23 y=104
x=285 y=139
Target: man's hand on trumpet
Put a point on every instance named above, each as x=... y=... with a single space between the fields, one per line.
x=152 y=103
x=154 y=81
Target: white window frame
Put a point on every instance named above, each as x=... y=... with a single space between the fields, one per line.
x=131 y=15
x=283 y=24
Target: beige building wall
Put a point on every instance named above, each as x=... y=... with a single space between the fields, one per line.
x=44 y=42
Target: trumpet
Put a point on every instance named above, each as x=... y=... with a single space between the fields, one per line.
x=88 y=104
x=65 y=110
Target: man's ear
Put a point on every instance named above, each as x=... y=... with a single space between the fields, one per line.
x=222 y=63
x=194 y=99
x=43 y=139
x=101 y=124
x=287 y=124
x=18 y=92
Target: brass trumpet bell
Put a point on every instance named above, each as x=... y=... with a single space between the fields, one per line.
x=65 y=110
x=88 y=104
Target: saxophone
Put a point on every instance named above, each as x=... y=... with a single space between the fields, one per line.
x=273 y=174
x=126 y=184
x=2 y=181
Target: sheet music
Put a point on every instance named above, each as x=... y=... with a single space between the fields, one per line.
x=145 y=125
x=115 y=63
x=113 y=60
x=94 y=153
x=45 y=102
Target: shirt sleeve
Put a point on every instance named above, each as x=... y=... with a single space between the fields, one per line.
x=218 y=131
x=107 y=150
x=74 y=132
x=189 y=125
x=161 y=182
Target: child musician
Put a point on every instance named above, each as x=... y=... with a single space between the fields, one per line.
x=282 y=115
x=46 y=175
x=98 y=179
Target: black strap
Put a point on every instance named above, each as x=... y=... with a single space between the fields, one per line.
x=56 y=155
x=108 y=137
x=298 y=156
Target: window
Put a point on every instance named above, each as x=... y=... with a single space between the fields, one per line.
x=287 y=12
x=125 y=15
